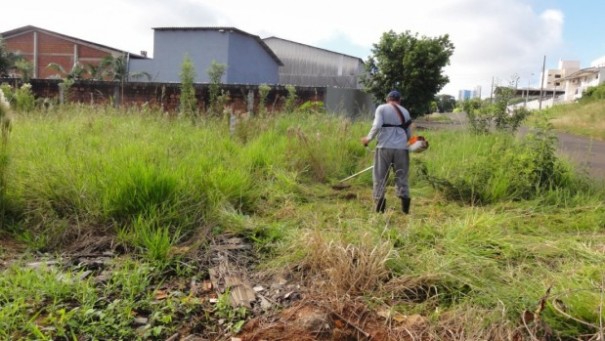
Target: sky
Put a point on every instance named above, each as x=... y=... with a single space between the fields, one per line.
x=495 y=41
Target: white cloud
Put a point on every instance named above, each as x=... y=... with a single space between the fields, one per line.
x=496 y=38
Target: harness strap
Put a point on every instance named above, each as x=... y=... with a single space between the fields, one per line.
x=404 y=124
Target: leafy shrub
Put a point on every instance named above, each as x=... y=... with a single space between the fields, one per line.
x=594 y=93
x=312 y=107
x=188 y=102
x=24 y=98
x=488 y=168
x=290 y=103
x=263 y=93
x=482 y=115
x=217 y=97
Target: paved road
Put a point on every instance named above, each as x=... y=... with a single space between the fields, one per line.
x=587 y=154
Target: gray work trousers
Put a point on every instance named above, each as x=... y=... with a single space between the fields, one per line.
x=384 y=158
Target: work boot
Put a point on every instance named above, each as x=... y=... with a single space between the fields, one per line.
x=405 y=205
x=381 y=205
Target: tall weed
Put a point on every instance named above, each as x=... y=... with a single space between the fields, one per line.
x=483 y=169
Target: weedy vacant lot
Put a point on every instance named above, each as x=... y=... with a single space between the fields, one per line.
x=133 y=225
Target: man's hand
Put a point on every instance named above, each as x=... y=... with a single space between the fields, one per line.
x=365 y=141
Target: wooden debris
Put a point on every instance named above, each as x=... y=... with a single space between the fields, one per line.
x=228 y=276
x=38 y=265
x=351 y=324
x=174 y=337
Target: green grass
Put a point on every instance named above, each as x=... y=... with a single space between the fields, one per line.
x=437 y=117
x=494 y=224
x=584 y=119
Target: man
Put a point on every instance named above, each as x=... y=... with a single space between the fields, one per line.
x=392 y=128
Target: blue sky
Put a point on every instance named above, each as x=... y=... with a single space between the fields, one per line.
x=583 y=27
x=493 y=39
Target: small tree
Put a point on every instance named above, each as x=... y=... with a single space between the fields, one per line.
x=290 y=104
x=77 y=71
x=7 y=59
x=263 y=93
x=188 y=102
x=24 y=98
x=217 y=97
x=482 y=114
x=25 y=68
x=445 y=103
x=69 y=78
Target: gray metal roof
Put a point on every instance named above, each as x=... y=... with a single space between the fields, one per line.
x=584 y=72
x=226 y=29
x=306 y=65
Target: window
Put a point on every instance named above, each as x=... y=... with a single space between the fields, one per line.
x=557 y=76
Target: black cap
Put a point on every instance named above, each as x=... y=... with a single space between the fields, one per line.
x=394 y=95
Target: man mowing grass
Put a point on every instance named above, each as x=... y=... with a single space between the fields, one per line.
x=392 y=128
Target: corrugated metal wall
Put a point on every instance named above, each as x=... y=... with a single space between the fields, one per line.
x=354 y=103
x=247 y=62
x=310 y=66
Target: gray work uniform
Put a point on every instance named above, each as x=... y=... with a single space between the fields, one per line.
x=391 y=149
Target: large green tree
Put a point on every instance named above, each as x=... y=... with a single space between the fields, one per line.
x=412 y=65
x=445 y=103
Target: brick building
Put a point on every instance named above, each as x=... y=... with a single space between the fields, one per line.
x=42 y=47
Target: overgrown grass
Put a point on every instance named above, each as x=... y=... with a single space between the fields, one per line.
x=584 y=119
x=495 y=223
x=109 y=169
x=484 y=169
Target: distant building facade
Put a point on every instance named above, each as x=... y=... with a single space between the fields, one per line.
x=464 y=95
x=249 y=61
x=477 y=92
x=553 y=78
x=247 y=58
x=577 y=82
x=306 y=65
x=42 y=47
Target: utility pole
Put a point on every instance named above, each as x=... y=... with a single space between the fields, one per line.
x=542 y=82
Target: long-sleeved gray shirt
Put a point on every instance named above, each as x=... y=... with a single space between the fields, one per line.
x=390 y=137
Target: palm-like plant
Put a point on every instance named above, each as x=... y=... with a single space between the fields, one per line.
x=7 y=59
x=25 y=68
x=77 y=71
x=96 y=72
x=116 y=69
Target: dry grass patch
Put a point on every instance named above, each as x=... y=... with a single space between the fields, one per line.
x=586 y=120
x=344 y=268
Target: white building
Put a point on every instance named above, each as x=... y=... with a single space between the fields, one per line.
x=464 y=95
x=477 y=92
x=553 y=78
x=580 y=80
